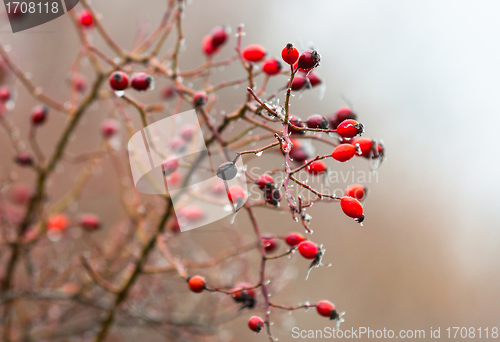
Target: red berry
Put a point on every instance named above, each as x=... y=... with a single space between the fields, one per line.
x=196 y=283
x=316 y=167
x=247 y=297
x=109 y=127
x=314 y=79
x=141 y=81
x=341 y=115
x=272 y=196
x=290 y=54
x=356 y=191
x=191 y=213
x=219 y=36
x=170 y=165
x=265 y=181
x=351 y=207
x=271 y=66
x=90 y=222
x=175 y=227
x=200 y=99
x=350 y=128
x=235 y=192
x=118 y=80
x=308 y=249
x=20 y=194
x=254 y=53
x=207 y=46
x=309 y=59
x=298 y=82
x=317 y=121
x=295 y=122
x=4 y=94
x=24 y=158
x=343 y=152
x=79 y=83
x=177 y=144
x=85 y=18
x=270 y=244
x=298 y=154
x=293 y=239
x=187 y=132
x=326 y=309
x=39 y=114
x=168 y=92
x=57 y=222
x=364 y=145
x=256 y=324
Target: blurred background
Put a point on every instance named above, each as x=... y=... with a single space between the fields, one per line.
x=422 y=76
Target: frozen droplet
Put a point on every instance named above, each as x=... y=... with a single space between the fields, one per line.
x=258 y=154
x=120 y=93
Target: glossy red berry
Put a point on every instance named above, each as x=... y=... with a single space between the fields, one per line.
x=39 y=114
x=298 y=82
x=207 y=46
x=290 y=54
x=293 y=239
x=341 y=115
x=109 y=127
x=141 y=81
x=326 y=309
x=265 y=181
x=4 y=94
x=90 y=222
x=200 y=99
x=57 y=222
x=170 y=165
x=356 y=191
x=317 y=121
x=118 y=80
x=364 y=145
x=316 y=167
x=314 y=79
x=271 y=66
x=219 y=36
x=270 y=244
x=196 y=283
x=308 y=249
x=343 y=152
x=24 y=158
x=85 y=18
x=352 y=208
x=235 y=193
x=350 y=128
x=309 y=59
x=256 y=324
x=254 y=53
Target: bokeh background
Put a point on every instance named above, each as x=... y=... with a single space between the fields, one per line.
x=422 y=75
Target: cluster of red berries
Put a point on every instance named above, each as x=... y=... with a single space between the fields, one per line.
x=272 y=195
x=212 y=43
x=141 y=81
